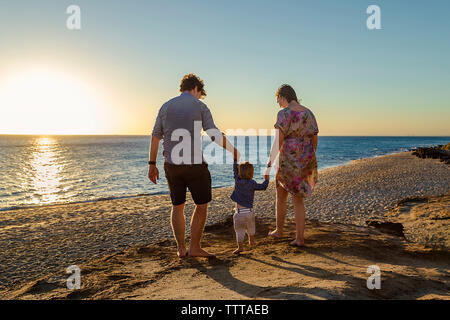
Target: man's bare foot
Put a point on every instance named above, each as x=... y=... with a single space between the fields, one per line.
x=200 y=253
x=238 y=250
x=182 y=253
x=297 y=243
x=252 y=243
x=276 y=234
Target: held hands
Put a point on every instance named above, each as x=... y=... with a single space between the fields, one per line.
x=153 y=173
x=267 y=172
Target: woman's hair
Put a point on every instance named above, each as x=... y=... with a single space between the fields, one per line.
x=245 y=170
x=287 y=92
x=190 y=81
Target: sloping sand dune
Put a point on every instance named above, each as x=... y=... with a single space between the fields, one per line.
x=333 y=265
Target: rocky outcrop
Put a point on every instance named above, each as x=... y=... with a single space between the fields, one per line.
x=441 y=152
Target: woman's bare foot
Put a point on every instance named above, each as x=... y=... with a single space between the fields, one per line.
x=276 y=234
x=200 y=253
x=182 y=253
x=297 y=243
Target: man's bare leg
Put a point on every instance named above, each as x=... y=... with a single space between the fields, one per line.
x=197 y=225
x=179 y=228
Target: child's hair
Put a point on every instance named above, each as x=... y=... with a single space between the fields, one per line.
x=245 y=170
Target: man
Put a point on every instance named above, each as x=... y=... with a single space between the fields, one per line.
x=184 y=117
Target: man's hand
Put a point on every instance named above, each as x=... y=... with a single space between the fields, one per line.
x=153 y=173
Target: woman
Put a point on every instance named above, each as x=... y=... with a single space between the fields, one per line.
x=297 y=169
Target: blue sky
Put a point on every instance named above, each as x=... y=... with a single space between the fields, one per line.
x=392 y=81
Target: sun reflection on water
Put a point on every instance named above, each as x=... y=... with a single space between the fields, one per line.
x=45 y=170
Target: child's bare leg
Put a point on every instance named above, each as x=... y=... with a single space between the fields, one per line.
x=240 y=248
x=251 y=229
x=251 y=240
x=240 y=234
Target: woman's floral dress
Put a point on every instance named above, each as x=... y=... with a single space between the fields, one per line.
x=297 y=168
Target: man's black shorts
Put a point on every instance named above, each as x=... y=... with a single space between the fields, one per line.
x=195 y=177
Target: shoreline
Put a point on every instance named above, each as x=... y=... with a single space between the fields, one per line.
x=47 y=239
x=127 y=196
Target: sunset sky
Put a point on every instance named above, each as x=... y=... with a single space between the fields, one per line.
x=112 y=76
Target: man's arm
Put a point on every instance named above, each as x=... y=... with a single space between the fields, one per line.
x=154 y=146
x=209 y=127
x=157 y=134
x=229 y=147
x=153 y=173
x=219 y=137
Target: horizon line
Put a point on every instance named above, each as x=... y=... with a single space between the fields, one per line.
x=149 y=135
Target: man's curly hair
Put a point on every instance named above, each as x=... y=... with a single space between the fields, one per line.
x=190 y=81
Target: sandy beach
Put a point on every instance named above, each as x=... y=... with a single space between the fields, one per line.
x=124 y=246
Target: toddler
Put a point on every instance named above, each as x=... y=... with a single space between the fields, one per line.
x=243 y=195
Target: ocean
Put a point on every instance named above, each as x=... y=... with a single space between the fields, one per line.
x=42 y=170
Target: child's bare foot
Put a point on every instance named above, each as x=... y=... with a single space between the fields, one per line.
x=240 y=248
x=297 y=243
x=276 y=234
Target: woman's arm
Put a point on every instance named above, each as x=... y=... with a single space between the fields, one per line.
x=276 y=146
x=274 y=151
x=315 y=141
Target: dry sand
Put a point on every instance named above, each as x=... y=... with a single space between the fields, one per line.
x=333 y=265
x=39 y=243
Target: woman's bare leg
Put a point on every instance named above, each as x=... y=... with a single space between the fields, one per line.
x=299 y=210
x=281 y=205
